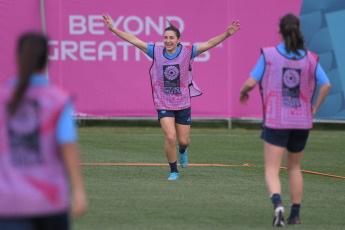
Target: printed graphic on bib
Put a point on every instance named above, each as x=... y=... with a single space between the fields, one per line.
x=171 y=79
x=291 y=86
x=23 y=131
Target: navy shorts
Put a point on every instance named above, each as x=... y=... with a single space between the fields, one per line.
x=182 y=117
x=50 y=222
x=294 y=140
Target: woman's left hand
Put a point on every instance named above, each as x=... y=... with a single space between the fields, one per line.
x=233 y=28
x=314 y=109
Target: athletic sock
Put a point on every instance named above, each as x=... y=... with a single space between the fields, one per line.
x=173 y=167
x=181 y=150
x=276 y=200
x=295 y=210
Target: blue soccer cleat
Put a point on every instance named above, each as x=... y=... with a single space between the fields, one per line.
x=173 y=176
x=183 y=158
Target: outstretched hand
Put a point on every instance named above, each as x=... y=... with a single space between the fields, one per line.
x=233 y=27
x=106 y=19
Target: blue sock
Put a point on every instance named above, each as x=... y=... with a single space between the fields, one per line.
x=295 y=210
x=181 y=150
x=276 y=200
x=173 y=167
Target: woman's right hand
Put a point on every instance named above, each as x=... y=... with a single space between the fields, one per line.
x=79 y=203
x=106 y=19
x=244 y=98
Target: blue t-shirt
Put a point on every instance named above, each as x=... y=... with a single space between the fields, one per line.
x=66 y=127
x=258 y=71
x=150 y=47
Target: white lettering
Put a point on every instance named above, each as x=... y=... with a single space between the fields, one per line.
x=84 y=50
x=94 y=51
x=68 y=52
x=137 y=55
x=111 y=53
x=204 y=57
x=117 y=23
x=78 y=24
x=158 y=28
x=77 y=21
x=136 y=19
x=93 y=24
x=125 y=49
x=185 y=43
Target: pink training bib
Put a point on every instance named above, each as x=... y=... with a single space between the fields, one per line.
x=172 y=81
x=32 y=174
x=287 y=88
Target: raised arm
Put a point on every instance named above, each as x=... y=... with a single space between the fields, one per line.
x=125 y=36
x=216 y=40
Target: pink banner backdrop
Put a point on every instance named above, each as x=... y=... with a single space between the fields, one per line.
x=110 y=77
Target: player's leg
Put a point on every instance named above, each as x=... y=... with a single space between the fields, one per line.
x=274 y=147
x=183 y=139
x=273 y=158
x=183 y=122
x=168 y=126
x=295 y=147
x=293 y=163
x=183 y=143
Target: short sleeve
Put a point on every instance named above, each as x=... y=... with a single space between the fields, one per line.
x=66 y=127
x=150 y=48
x=321 y=77
x=259 y=69
x=194 y=54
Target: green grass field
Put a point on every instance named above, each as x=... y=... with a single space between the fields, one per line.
x=204 y=197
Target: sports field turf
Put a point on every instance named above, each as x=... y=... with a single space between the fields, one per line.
x=204 y=197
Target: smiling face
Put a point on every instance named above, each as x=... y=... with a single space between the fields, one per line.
x=170 y=41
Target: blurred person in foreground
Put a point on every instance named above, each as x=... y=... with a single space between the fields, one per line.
x=288 y=75
x=173 y=85
x=37 y=147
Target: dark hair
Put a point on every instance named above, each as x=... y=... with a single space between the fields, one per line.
x=173 y=28
x=291 y=32
x=32 y=53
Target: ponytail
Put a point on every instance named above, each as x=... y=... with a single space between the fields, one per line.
x=291 y=32
x=173 y=28
x=32 y=52
x=170 y=24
